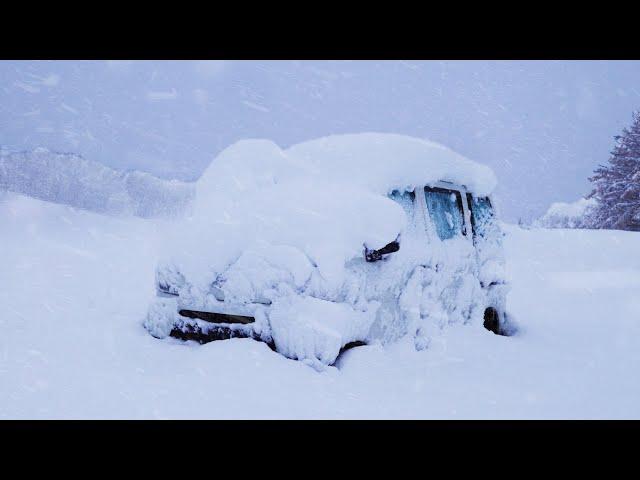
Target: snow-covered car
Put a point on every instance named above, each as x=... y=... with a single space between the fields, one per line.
x=335 y=242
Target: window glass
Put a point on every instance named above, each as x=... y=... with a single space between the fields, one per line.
x=445 y=209
x=481 y=214
x=405 y=199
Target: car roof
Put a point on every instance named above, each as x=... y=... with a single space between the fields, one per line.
x=384 y=161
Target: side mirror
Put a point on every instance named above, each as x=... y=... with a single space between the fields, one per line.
x=375 y=255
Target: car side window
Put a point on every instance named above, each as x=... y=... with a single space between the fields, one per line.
x=405 y=199
x=481 y=214
x=446 y=212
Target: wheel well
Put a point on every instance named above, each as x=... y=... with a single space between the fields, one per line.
x=492 y=321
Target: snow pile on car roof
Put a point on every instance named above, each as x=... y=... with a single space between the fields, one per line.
x=380 y=161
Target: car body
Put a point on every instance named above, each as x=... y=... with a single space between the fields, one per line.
x=440 y=263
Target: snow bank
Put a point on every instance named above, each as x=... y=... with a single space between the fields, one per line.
x=567 y=215
x=270 y=224
x=72 y=180
x=380 y=162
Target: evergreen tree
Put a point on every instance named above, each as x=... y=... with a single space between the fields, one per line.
x=617 y=185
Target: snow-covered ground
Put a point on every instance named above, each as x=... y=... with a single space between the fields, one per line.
x=76 y=286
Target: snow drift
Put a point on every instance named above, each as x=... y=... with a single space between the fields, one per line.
x=76 y=286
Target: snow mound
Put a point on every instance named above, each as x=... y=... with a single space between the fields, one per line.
x=380 y=161
x=314 y=330
x=567 y=215
x=255 y=196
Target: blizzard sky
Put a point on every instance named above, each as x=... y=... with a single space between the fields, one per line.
x=543 y=126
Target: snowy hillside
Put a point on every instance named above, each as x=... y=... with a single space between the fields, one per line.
x=72 y=180
x=76 y=286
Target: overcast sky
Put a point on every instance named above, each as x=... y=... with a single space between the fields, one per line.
x=542 y=126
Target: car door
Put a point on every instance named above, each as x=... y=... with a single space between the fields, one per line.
x=384 y=279
x=450 y=278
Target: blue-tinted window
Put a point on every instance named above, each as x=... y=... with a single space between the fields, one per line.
x=445 y=209
x=405 y=199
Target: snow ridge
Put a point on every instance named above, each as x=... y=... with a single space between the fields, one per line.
x=70 y=179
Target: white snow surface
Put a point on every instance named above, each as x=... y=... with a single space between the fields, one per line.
x=380 y=161
x=76 y=287
x=567 y=215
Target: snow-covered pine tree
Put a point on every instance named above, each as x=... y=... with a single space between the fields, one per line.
x=617 y=185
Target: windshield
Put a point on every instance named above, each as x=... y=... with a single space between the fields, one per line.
x=445 y=210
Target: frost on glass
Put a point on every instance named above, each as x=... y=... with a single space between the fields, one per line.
x=445 y=209
x=405 y=199
x=481 y=215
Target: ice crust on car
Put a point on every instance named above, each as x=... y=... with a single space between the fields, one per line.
x=288 y=227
